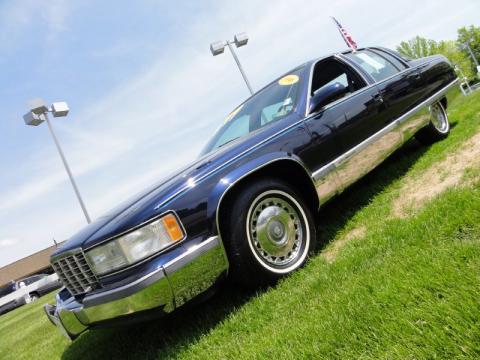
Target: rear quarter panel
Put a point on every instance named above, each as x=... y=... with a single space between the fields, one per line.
x=437 y=72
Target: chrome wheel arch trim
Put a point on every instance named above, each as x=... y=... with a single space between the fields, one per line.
x=252 y=171
x=228 y=162
x=303 y=255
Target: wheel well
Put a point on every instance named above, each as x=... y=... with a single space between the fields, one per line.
x=444 y=102
x=34 y=293
x=287 y=170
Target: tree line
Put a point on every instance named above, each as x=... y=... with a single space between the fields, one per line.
x=454 y=50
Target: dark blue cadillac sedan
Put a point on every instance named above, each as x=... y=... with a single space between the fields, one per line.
x=245 y=208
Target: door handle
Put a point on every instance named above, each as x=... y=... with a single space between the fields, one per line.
x=416 y=75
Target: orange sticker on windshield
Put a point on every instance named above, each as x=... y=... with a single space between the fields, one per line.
x=288 y=80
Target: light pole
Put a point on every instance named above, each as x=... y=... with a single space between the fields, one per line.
x=218 y=47
x=464 y=81
x=467 y=46
x=37 y=115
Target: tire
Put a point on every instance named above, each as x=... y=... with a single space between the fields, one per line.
x=438 y=128
x=34 y=297
x=270 y=233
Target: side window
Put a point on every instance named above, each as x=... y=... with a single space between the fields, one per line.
x=342 y=79
x=30 y=280
x=331 y=71
x=7 y=289
x=377 y=66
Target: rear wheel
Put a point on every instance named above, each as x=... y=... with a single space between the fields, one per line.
x=34 y=297
x=438 y=128
x=270 y=232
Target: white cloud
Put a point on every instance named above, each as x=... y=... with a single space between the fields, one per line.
x=50 y=173
x=7 y=242
x=17 y=19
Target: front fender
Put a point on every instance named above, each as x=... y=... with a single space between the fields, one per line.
x=228 y=180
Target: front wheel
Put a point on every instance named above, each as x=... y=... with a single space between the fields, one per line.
x=270 y=234
x=438 y=128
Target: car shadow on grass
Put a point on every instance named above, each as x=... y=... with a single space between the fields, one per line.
x=163 y=338
x=334 y=215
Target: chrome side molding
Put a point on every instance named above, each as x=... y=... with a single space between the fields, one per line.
x=334 y=177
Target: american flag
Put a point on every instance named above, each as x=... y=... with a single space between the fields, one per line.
x=346 y=36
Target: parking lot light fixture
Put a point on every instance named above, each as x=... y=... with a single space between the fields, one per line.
x=37 y=115
x=240 y=39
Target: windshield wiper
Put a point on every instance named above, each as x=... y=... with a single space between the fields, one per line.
x=229 y=141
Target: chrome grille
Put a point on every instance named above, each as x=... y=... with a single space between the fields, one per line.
x=75 y=273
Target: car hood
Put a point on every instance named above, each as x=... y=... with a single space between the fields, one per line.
x=148 y=203
x=154 y=200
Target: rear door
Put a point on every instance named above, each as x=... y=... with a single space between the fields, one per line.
x=400 y=87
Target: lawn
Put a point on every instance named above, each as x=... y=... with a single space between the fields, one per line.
x=393 y=278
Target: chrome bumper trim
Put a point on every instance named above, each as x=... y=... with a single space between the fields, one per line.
x=125 y=290
x=165 y=288
x=50 y=311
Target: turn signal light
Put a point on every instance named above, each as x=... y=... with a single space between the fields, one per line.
x=173 y=227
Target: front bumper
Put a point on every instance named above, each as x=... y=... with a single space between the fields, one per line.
x=166 y=288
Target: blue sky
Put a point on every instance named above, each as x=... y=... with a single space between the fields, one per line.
x=145 y=92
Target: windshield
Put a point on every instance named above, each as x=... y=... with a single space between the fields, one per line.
x=271 y=104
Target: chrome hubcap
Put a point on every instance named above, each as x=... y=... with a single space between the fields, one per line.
x=276 y=231
x=438 y=117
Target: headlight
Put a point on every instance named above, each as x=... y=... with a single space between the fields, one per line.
x=136 y=245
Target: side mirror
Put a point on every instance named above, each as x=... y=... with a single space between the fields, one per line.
x=326 y=95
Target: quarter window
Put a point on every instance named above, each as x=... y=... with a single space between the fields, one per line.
x=377 y=66
x=398 y=64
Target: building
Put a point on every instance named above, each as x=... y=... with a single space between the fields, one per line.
x=38 y=262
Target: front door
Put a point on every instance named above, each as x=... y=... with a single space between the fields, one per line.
x=340 y=125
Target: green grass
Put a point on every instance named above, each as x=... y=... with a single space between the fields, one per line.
x=408 y=289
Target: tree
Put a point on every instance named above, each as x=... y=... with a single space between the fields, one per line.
x=417 y=47
x=420 y=47
x=451 y=51
x=472 y=36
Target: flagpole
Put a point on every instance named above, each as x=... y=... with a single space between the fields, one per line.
x=345 y=35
